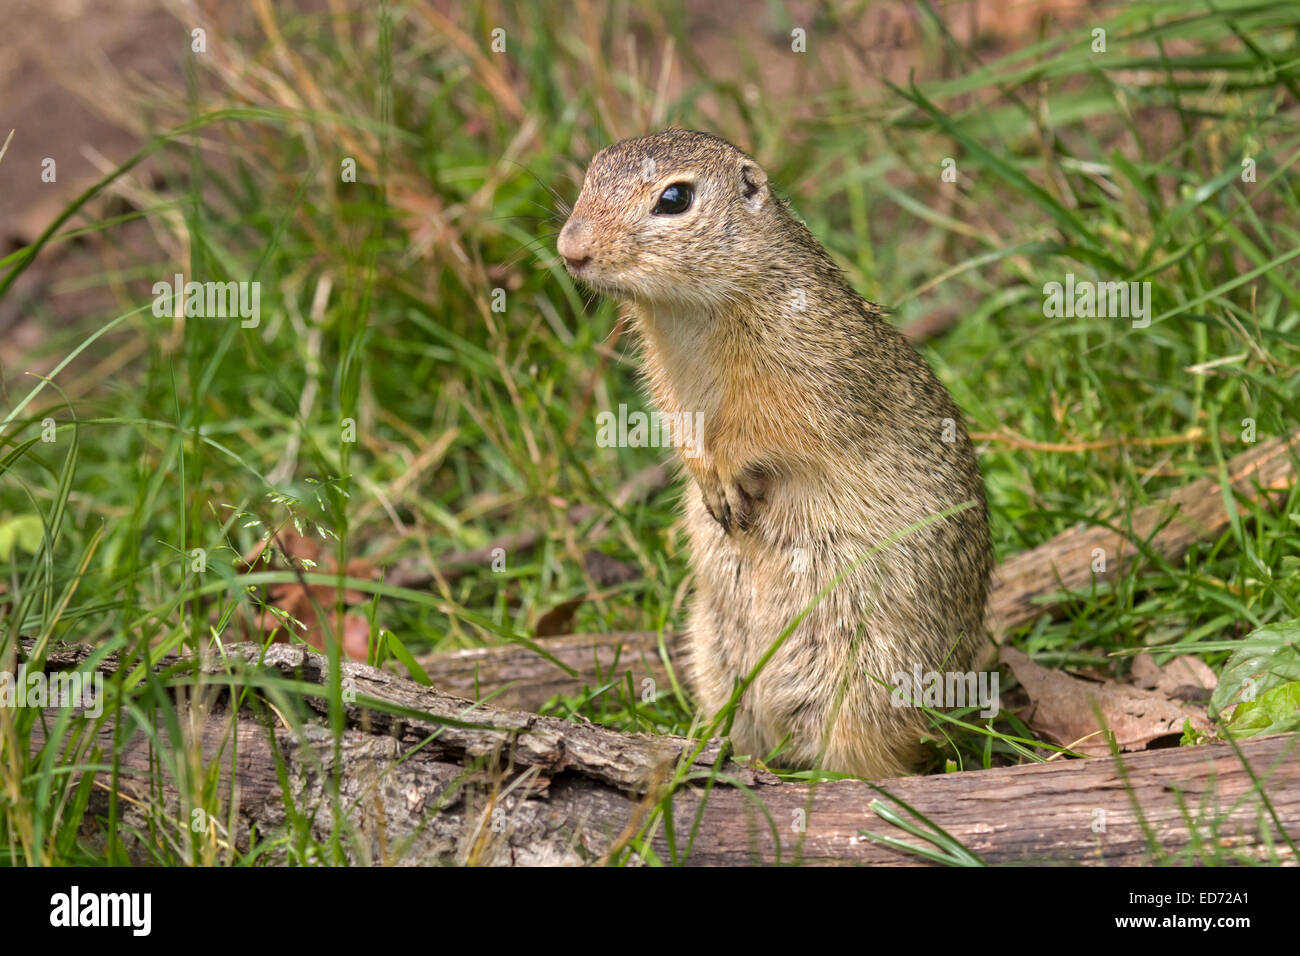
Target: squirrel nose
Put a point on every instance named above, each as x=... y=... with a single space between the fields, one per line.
x=574 y=244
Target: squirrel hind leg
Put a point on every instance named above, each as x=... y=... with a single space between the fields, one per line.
x=880 y=750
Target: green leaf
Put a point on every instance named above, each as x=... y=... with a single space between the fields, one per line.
x=407 y=659
x=25 y=531
x=1275 y=712
x=1271 y=660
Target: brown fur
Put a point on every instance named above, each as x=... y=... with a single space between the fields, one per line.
x=823 y=437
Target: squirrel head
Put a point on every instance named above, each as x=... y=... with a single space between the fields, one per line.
x=674 y=217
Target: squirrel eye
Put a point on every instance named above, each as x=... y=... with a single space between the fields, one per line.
x=675 y=199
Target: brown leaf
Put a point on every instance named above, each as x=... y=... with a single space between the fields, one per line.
x=301 y=602
x=1187 y=678
x=1062 y=708
x=559 y=619
x=608 y=571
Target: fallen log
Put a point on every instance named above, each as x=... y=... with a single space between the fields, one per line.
x=514 y=675
x=1025 y=585
x=471 y=783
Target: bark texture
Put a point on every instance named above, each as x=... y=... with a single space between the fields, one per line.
x=502 y=787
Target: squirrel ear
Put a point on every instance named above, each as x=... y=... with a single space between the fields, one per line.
x=753 y=186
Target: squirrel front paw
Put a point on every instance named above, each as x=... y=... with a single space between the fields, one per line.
x=731 y=504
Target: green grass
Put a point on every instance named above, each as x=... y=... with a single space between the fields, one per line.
x=378 y=298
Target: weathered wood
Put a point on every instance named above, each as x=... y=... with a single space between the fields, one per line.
x=463 y=728
x=1024 y=586
x=516 y=676
x=1025 y=583
x=522 y=789
x=1077 y=811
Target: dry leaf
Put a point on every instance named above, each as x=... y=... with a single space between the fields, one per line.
x=1061 y=708
x=559 y=619
x=295 y=600
x=608 y=571
x=1187 y=678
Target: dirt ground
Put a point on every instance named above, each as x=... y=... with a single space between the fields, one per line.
x=59 y=60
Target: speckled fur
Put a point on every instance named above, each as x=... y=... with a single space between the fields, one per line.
x=823 y=428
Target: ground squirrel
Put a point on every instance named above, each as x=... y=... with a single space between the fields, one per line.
x=825 y=435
